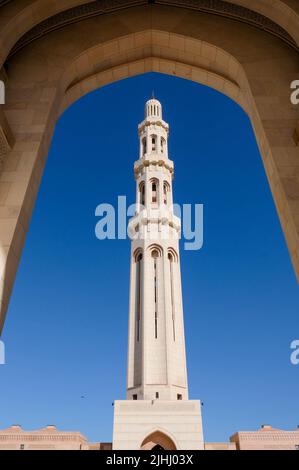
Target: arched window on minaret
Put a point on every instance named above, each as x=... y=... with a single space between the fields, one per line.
x=142 y=193
x=154 y=143
x=144 y=146
x=155 y=184
x=166 y=192
x=163 y=144
x=138 y=261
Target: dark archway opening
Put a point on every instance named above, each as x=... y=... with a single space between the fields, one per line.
x=158 y=448
x=158 y=441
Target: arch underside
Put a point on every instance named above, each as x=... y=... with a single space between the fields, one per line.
x=252 y=66
x=90 y=9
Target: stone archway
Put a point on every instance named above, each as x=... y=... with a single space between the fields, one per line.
x=50 y=64
x=157 y=441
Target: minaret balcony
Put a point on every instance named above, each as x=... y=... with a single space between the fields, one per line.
x=161 y=217
x=151 y=121
x=153 y=159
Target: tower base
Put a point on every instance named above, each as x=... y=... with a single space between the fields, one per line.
x=145 y=424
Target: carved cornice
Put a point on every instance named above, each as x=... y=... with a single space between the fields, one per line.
x=73 y=15
x=217 y=7
x=155 y=161
x=161 y=217
x=274 y=435
x=148 y=122
x=235 y=12
x=40 y=437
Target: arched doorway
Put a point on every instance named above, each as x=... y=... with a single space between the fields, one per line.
x=158 y=441
x=54 y=67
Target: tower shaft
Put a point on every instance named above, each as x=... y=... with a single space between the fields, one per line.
x=156 y=346
x=157 y=411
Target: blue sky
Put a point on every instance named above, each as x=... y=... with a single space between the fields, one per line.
x=66 y=328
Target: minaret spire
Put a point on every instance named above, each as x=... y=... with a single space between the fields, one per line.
x=157 y=410
x=156 y=356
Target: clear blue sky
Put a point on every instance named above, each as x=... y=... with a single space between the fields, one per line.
x=66 y=329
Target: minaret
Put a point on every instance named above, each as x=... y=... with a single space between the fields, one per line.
x=157 y=411
x=156 y=347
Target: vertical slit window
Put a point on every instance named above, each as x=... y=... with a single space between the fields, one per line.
x=165 y=191
x=154 y=191
x=142 y=194
x=138 y=295
x=153 y=143
x=144 y=146
x=155 y=255
x=170 y=257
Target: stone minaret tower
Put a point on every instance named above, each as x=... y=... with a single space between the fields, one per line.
x=156 y=349
x=157 y=410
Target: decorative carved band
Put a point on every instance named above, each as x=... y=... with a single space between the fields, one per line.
x=236 y=12
x=100 y=7
x=73 y=15
x=25 y=436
